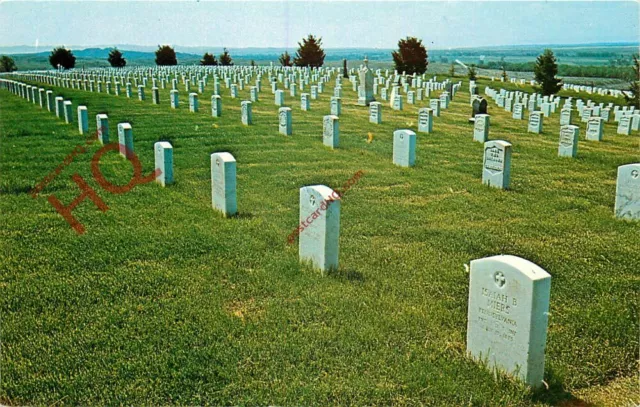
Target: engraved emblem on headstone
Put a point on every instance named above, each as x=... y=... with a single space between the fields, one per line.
x=499 y=279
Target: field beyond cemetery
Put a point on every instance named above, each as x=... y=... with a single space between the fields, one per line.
x=164 y=301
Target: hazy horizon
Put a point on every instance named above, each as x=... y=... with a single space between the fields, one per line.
x=46 y=47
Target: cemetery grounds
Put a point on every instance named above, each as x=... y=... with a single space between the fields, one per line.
x=164 y=301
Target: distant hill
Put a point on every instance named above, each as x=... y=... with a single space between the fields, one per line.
x=601 y=55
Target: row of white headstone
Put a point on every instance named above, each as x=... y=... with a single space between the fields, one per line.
x=497 y=156
x=425 y=115
x=595 y=116
x=573 y=87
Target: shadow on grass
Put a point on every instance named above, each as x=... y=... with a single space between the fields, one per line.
x=557 y=395
x=15 y=189
x=346 y=275
x=242 y=215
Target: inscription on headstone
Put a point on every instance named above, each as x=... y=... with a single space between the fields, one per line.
x=535 y=122
x=627 y=204
x=496 y=170
x=594 y=129
x=375 y=112
x=425 y=120
x=508 y=315
x=568 y=146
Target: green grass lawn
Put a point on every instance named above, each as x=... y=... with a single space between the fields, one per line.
x=164 y=301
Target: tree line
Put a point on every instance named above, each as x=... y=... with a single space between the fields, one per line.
x=410 y=58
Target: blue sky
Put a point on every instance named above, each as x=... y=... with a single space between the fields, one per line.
x=371 y=24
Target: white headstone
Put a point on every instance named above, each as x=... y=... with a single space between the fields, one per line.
x=49 y=99
x=336 y=106
x=517 y=111
x=193 y=102
x=568 y=146
x=216 y=106
x=246 y=112
x=319 y=228
x=83 y=119
x=68 y=111
x=284 y=121
x=496 y=168
x=565 y=116
x=535 y=122
x=397 y=103
x=223 y=183
x=304 y=102
x=331 y=131
x=279 y=98
x=174 y=98
x=163 y=152
x=375 y=112
x=481 y=128
x=594 y=129
x=155 y=96
x=404 y=148
x=628 y=192
x=102 y=124
x=624 y=125
x=425 y=120
x=125 y=140
x=434 y=104
x=508 y=315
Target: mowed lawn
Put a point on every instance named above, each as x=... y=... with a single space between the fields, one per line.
x=164 y=301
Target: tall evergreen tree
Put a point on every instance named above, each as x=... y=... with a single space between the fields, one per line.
x=452 y=70
x=545 y=71
x=7 y=64
x=225 y=58
x=63 y=57
x=345 y=73
x=116 y=59
x=208 y=59
x=472 y=74
x=504 y=75
x=285 y=59
x=411 y=56
x=634 y=89
x=165 y=55
x=310 y=52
